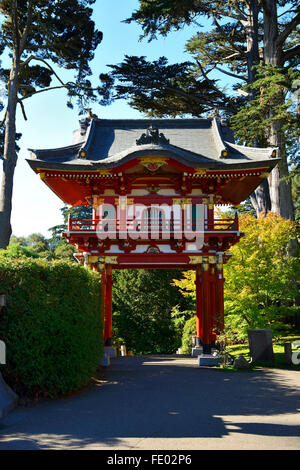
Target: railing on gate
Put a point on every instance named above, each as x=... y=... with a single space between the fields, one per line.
x=149 y=226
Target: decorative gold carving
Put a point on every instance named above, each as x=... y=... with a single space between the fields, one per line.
x=109 y=259
x=42 y=175
x=205 y=263
x=153 y=189
x=224 y=153
x=124 y=202
x=200 y=171
x=211 y=202
x=195 y=259
x=153 y=163
x=219 y=266
x=212 y=259
x=153 y=159
x=104 y=172
x=264 y=175
x=82 y=154
x=99 y=201
x=182 y=201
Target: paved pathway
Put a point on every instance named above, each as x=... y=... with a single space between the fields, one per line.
x=165 y=403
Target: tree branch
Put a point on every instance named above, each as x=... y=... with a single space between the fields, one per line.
x=178 y=91
x=68 y=85
x=229 y=14
x=41 y=91
x=226 y=36
x=23 y=109
x=292 y=52
x=285 y=12
x=206 y=77
x=32 y=57
x=239 y=77
x=231 y=74
x=288 y=30
x=4 y=118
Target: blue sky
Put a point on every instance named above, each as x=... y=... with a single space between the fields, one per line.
x=50 y=123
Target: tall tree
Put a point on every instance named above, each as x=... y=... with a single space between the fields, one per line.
x=59 y=246
x=241 y=36
x=40 y=35
x=143 y=300
x=276 y=54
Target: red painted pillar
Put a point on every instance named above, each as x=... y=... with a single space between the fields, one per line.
x=108 y=305
x=103 y=300
x=199 y=296
x=212 y=313
x=219 y=296
x=206 y=314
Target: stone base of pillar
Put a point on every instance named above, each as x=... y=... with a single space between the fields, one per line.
x=196 y=351
x=110 y=351
x=208 y=360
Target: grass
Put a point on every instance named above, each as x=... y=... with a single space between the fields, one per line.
x=278 y=349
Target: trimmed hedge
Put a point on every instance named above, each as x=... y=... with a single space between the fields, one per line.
x=51 y=325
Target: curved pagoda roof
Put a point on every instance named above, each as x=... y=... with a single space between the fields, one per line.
x=109 y=156
x=195 y=143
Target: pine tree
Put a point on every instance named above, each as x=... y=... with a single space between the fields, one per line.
x=243 y=35
x=40 y=35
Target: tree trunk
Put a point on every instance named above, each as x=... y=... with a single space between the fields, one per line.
x=260 y=198
x=280 y=189
x=10 y=157
x=251 y=27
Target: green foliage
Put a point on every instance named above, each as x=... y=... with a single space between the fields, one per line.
x=63 y=250
x=162 y=16
x=189 y=331
x=161 y=89
x=16 y=250
x=51 y=326
x=142 y=310
x=58 y=245
x=55 y=247
x=236 y=38
x=262 y=276
x=274 y=103
x=261 y=279
x=49 y=33
x=38 y=246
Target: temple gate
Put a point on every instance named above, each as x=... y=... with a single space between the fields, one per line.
x=153 y=185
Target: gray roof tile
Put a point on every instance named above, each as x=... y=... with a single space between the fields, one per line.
x=196 y=142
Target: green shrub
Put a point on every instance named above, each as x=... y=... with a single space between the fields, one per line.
x=51 y=325
x=15 y=250
x=189 y=331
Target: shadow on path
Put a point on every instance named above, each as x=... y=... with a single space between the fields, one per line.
x=158 y=397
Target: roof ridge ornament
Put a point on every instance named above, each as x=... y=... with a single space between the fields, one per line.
x=85 y=122
x=152 y=136
x=220 y=144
